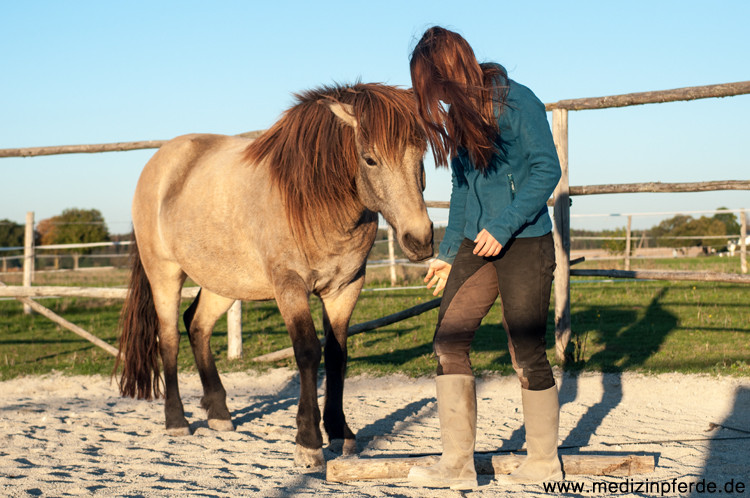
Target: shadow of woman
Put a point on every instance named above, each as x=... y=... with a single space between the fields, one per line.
x=727 y=460
x=617 y=356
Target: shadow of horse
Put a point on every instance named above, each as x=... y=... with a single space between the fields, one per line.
x=267 y=404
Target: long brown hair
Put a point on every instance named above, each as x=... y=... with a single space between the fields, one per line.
x=444 y=68
x=312 y=156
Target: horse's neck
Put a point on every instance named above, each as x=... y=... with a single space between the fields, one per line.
x=361 y=230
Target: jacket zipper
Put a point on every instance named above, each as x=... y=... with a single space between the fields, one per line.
x=479 y=202
x=512 y=186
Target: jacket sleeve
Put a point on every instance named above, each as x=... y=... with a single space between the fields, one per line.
x=528 y=121
x=454 y=232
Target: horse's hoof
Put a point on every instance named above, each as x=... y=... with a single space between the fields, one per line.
x=308 y=458
x=178 y=431
x=349 y=448
x=220 y=425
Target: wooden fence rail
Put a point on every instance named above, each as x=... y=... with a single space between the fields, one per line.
x=697 y=276
x=630 y=188
x=656 y=97
x=95 y=148
x=91 y=292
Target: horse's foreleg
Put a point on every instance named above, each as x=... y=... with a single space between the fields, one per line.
x=292 y=300
x=200 y=319
x=337 y=310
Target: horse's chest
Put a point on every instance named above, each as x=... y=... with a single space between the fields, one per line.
x=335 y=273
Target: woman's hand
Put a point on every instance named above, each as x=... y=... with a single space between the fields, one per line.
x=486 y=245
x=437 y=274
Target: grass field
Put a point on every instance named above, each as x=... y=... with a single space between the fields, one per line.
x=642 y=326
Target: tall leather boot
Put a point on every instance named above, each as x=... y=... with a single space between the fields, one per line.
x=541 y=415
x=457 y=411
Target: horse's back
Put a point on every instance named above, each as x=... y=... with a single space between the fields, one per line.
x=178 y=161
x=199 y=204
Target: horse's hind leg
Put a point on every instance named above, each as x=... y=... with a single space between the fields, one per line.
x=200 y=319
x=337 y=310
x=166 y=284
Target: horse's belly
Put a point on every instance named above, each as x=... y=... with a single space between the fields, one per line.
x=233 y=282
x=232 y=269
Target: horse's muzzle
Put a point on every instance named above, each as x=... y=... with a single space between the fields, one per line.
x=417 y=248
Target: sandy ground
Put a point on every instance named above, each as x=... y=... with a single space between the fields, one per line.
x=63 y=436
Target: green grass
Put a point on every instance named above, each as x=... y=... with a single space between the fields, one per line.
x=623 y=325
x=703 y=263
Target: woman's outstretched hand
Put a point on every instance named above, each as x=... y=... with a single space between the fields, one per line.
x=486 y=245
x=437 y=274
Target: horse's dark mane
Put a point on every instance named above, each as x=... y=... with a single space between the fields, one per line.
x=312 y=155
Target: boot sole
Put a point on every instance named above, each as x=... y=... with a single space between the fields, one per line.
x=458 y=484
x=510 y=479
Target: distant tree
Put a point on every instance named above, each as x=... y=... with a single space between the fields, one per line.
x=74 y=226
x=616 y=246
x=712 y=227
x=671 y=227
x=730 y=222
x=687 y=226
x=47 y=231
x=578 y=242
x=11 y=234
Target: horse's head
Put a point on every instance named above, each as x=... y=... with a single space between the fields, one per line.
x=369 y=154
x=390 y=177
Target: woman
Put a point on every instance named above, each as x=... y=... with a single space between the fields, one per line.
x=494 y=133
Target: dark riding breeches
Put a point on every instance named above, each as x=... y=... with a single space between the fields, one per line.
x=522 y=276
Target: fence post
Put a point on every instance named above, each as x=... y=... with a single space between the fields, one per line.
x=561 y=234
x=28 y=256
x=234 y=331
x=627 y=243
x=392 y=254
x=743 y=241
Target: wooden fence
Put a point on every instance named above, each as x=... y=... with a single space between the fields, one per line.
x=560 y=202
x=563 y=191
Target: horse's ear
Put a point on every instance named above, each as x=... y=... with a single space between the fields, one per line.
x=344 y=112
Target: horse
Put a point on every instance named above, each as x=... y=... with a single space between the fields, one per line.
x=288 y=215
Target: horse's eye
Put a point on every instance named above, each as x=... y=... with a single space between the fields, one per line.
x=370 y=161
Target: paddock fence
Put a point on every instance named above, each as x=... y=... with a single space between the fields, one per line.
x=642 y=244
x=560 y=201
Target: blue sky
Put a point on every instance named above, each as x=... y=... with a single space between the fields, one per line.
x=80 y=72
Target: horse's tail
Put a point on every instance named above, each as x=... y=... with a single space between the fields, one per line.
x=139 y=343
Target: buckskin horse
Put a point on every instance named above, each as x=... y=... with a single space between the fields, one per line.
x=289 y=214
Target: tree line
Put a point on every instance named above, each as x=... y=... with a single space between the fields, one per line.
x=678 y=231
x=73 y=226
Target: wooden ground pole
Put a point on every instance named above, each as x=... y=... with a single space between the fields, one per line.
x=357 y=469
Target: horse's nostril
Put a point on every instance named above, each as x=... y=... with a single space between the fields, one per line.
x=421 y=248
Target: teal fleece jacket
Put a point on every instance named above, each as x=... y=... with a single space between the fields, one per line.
x=509 y=199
